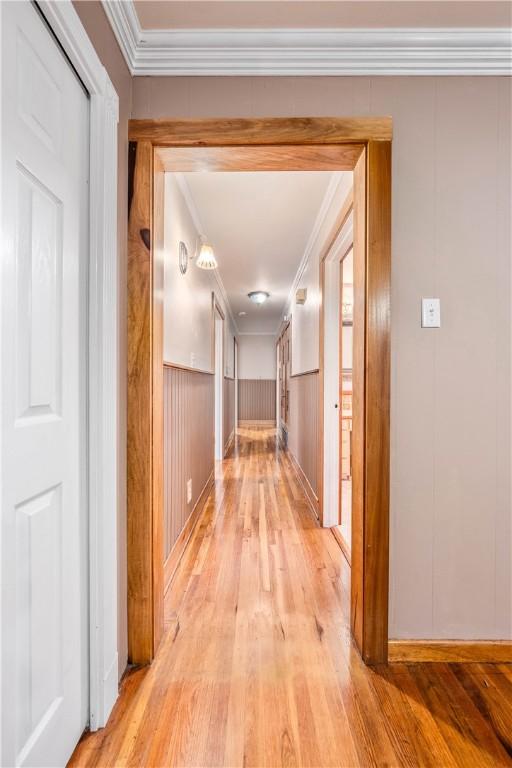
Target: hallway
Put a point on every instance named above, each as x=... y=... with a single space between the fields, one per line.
x=257 y=667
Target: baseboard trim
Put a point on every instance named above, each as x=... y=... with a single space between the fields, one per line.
x=229 y=442
x=341 y=543
x=306 y=486
x=256 y=422
x=466 y=651
x=178 y=550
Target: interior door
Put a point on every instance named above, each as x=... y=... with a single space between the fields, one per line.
x=43 y=369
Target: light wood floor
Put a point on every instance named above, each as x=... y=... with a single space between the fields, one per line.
x=258 y=669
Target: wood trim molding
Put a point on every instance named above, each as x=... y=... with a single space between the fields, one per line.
x=292 y=52
x=144 y=414
x=372 y=213
x=271 y=131
x=176 y=553
x=466 y=651
x=304 y=482
x=181 y=367
x=377 y=401
x=314 y=157
x=304 y=373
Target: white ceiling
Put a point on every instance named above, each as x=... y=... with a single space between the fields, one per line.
x=259 y=224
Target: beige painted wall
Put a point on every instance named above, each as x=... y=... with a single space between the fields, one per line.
x=450 y=452
x=188 y=297
x=98 y=28
x=256 y=356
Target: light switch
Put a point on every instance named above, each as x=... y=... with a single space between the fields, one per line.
x=189 y=491
x=430 y=313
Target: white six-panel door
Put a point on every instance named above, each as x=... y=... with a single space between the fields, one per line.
x=43 y=364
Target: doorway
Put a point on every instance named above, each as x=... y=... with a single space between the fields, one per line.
x=219 y=381
x=363 y=147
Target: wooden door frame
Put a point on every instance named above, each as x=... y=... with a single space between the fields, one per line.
x=362 y=145
x=217 y=309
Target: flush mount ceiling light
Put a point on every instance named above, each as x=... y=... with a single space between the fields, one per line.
x=258 y=297
x=241 y=314
x=206 y=258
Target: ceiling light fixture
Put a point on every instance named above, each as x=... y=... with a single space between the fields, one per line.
x=206 y=258
x=241 y=314
x=258 y=297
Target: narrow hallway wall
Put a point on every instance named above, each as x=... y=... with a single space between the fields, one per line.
x=189 y=367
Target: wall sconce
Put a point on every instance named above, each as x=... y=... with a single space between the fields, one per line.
x=206 y=258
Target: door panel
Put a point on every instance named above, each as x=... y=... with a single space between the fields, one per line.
x=44 y=228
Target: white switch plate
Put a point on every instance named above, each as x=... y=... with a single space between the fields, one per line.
x=430 y=313
x=189 y=491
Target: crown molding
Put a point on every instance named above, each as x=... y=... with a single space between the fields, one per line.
x=295 y=52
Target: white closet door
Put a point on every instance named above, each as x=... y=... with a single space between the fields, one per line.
x=45 y=128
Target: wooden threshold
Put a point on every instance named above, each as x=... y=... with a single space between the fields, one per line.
x=178 y=550
x=476 y=651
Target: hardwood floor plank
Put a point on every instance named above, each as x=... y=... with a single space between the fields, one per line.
x=258 y=667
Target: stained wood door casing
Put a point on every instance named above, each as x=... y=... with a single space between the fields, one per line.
x=374 y=136
x=45 y=138
x=144 y=414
